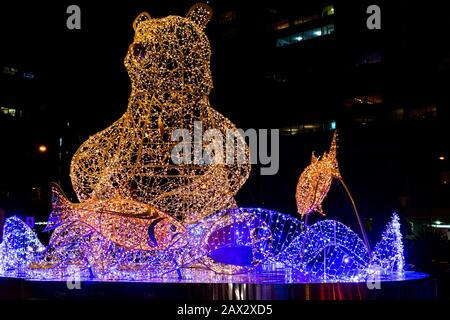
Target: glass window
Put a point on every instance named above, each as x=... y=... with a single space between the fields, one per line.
x=328 y=29
x=281 y=25
x=8 y=111
x=28 y=75
x=9 y=70
x=297 y=37
x=364 y=100
x=281 y=42
x=328 y=11
x=306 y=35
x=423 y=112
x=228 y=17
x=313 y=33
x=305 y=19
x=398 y=114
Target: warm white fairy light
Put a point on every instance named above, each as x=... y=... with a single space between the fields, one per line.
x=315 y=181
x=18 y=247
x=142 y=217
x=326 y=250
x=388 y=256
x=169 y=67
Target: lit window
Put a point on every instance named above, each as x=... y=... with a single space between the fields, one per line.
x=9 y=70
x=28 y=75
x=423 y=112
x=328 y=29
x=306 y=35
x=309 y=34
x=445 y=178
x=373 y=99
x=281 y=25
x=282 y=42
x=328 y=11
x=228 y=17
x=310 y=127
x=8 y=111
x=398 y=114
x=305 y=19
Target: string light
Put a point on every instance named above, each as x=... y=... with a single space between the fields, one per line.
x=142 y=217
x=388 y=256
x=169 y=67
x=315 y=181
x=326 y=250
x=17 y=248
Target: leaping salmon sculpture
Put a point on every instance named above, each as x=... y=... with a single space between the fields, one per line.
x=128 y=223
x=315 y=181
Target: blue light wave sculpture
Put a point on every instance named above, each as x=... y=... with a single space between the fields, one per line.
x=233 y=241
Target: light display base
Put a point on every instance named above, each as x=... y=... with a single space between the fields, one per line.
x=277 y=284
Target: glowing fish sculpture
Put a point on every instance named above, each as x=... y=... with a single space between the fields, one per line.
x=128 y=223
x=315 y=181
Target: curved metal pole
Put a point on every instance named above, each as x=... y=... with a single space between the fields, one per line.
x=361 y=226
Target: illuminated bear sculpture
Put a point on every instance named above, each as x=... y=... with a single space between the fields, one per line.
x=142 y=215
x=169 y=67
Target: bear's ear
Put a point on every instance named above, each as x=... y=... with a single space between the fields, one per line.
x=200 y=13
x=144 y=16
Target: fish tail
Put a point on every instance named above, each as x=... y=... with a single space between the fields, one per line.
x=60 y=205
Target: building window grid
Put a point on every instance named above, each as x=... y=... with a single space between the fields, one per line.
x=305 y=35
x=327 y=10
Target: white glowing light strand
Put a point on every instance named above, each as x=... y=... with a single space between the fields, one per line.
x=18 y=247
x=327 y=250
x=388 y=255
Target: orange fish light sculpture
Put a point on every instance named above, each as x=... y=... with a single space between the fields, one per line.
x=315 y=182
x=128 y=223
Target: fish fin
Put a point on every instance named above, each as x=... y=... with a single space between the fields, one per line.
x=313 y=157
x=333 y=146
x=60 y=204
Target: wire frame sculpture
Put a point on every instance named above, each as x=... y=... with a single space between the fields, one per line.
x=169 y=67
x=324 y=251
x=315 y=183
x=143 y=216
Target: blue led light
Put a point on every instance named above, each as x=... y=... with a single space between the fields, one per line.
x=326 y=250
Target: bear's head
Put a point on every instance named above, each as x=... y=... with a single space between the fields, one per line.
x=171 y=54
